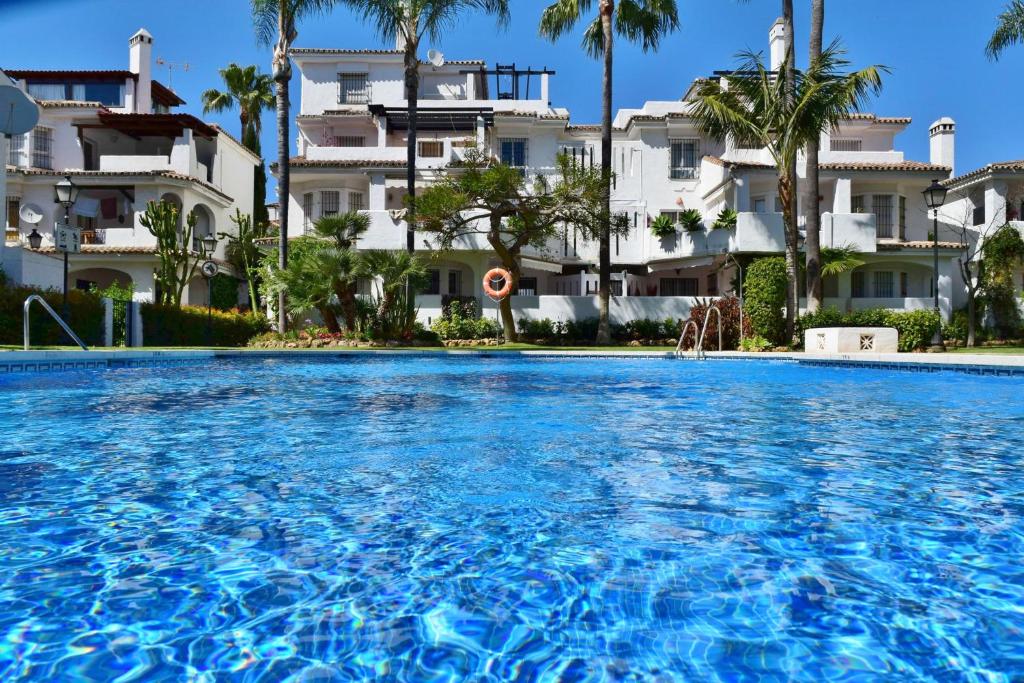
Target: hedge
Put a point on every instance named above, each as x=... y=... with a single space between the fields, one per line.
x=187 y=326
x=764 y=298
x=916 y=328
x=85 y=316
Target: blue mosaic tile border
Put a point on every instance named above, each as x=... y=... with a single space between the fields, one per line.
x=98 y=364
x=991 y=370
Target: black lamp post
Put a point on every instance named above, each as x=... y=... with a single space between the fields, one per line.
x=934 y=198
x=66 y=194
x=35 y=240
x=209 y=270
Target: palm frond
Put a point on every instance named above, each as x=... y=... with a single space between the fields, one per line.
x=561 y=17
x=838 y=260
x=1009 y=30
x=646 y=21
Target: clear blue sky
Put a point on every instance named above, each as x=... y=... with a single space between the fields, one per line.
x=934 y=48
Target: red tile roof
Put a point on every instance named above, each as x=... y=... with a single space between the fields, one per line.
x=303 y=162
x=14 y=170
x=885 y=166
x=918 y=244
x=104 y=249
x=998 y=167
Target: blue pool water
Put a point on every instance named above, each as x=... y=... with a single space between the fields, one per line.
x=444 y=519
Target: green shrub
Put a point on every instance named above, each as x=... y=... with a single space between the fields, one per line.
x=915 y=328
x=224 y=292
x=545 y=328
x=662 y=226
x=755 y=344
x=729 y=307
x=764 y=298
x=584 y=330
x=726 y=219
x=691 y=220
x=461 y=321
x=187 y=326
x=85 y=316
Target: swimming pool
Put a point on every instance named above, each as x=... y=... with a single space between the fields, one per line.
x=451 y=518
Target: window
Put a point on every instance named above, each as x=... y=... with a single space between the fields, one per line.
x=109 y=93
x=455 y=283
x=858 y=204
x=355 y=201
x=346 y=141
x=513 y=152
x=678 y=286
x=579 y=154
x=527 y=286
x=903 y=218
x=904 y=285
x=433 y=281
x=883 y=284
x=330 y=202
x=857 y=287
x=712 y=284
x=846 y=144
x=353 y=89
x=882 y=207
x=431 y=149
x=48 y=91
x=42 y=148
x=14 y=152
x=979 y=213
x=13 y=207
x=760 y=205
x=307 y=211
x=684 y=159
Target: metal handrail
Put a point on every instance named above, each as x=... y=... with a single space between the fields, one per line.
x=60 y=321
x=707 y=319
x=686 y=327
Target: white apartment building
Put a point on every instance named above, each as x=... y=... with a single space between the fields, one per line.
x=117 y=134
x=352 y=127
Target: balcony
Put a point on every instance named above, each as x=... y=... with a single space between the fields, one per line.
x=136 y=163
x=856 y=230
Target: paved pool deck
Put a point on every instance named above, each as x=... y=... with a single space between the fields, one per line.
x=53 y=361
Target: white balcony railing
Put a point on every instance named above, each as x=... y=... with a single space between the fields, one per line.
x=135 y=163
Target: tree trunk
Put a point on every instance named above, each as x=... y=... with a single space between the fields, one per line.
x=508 y=321
x=283 y=177
x=347 y=299
x=604 y=333
x=813 y=201
x=971 y=309
x=509 y=261
x=330 y=319
x=412 y=86
x=789 y=202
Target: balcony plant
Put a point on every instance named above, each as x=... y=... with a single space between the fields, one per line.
x=663 y=227
x=691 y=220
x=726 y=219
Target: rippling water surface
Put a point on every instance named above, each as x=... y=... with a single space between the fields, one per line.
x=444 y=519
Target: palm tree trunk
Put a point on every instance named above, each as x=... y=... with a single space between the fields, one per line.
x=412 y=86
x=604 y=334
x=813 y=200
x=330 y=319
x=283 y=177
x=790 y=203
x=971 y=312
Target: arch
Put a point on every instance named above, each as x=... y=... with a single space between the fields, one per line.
x=909 y=279
x=101 y=277
x=205 y=225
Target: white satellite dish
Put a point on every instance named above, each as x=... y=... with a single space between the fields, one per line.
x=435 y=57
x=18 y=112
x=31 y=214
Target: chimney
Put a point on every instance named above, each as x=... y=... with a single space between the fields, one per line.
x=777 y=44
x=140 y=63
x=943 y=143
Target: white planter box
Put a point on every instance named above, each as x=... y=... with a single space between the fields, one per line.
x=851 y=340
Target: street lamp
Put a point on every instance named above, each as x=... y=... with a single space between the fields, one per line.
x=209 y=270
x=934 y=198
x=35 y=240
x=65 y=194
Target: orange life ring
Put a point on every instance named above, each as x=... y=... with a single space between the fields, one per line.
x=496 y=274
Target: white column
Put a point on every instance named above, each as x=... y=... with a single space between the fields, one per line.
x=946 y=275
x=843 y=201
x=741 y=195
x=382 y=132
x=995 y=204
x=471 y=86
x=544 y=88
x=4 y=145
x=377 y=201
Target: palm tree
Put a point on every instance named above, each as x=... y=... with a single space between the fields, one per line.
x=406 y=23
x=1009 y=30
x=251 y=92
x=343 y=230
x=783 y=115
x=643 y=21
x=839 y=260
x=397 y=273
x=306 y=280
x=812 y=244
x=276 y=23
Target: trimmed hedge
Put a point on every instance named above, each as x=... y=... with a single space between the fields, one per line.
x=85 y=316
x=764 y=298
x=186 y=326
x=915 y=327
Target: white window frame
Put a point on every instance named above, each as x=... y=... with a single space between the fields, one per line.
x=432 y=146
x=308 y=207
x=42 y=158
x=16 y=150
x=880 y=289
x=335 y=196
x=348 y=92
x=356 y=201
x=684 y=171
x=846 y=145
x=883 y=206
x=526 y=152
x=346 y=141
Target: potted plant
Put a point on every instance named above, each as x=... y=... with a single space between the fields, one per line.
x=691 y=220
x=726 y=219
x=663 y=226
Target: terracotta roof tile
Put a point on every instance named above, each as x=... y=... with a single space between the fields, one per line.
x=12 y=170
x=303 y=162
x=884 y=166
x=69 y=104
x=878 y=119
x=103 y=249
x=998 y=167
x=918 y=244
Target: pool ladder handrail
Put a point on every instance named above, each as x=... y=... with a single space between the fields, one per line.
x=699 y=353
x=53 y=314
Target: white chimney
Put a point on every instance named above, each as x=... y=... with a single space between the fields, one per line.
x=777 y=44
x=140 y=63
x=943 y=143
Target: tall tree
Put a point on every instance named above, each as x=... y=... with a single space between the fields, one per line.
x=251 y=92
x=406 y=23
x=1009 y=30
x=792 y=231
x=783 y=115
x=244 y=253
x=343 y=230
x=643 y=21
x=276 y=23
x=813 y=199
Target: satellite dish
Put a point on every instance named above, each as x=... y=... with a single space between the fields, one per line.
x=31 y=214
x=18 y=113
x=435 y=57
